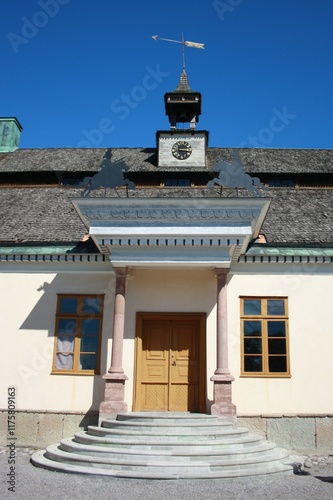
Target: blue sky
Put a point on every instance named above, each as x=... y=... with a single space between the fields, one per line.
x=87 y=73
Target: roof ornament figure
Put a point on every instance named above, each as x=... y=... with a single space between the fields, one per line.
x=112 y=175
x=184 y=43
x=233 y=175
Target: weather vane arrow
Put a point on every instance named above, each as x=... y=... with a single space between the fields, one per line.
x=194 y=45
x=184 y=43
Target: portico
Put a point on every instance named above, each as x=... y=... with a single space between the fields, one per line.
x=157 y=235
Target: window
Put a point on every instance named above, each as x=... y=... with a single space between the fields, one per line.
x=281 y=183
x=77 y=334
x=177 y=182
x=264 y=330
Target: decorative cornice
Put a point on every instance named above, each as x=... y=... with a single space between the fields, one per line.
x=53 y=258
x=286 y=259
x=169 y=242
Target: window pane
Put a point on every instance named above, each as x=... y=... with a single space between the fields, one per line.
x=275 y=307
x=67 y=326
x=252 y=307
x=252 y=346
x=277 y=364
x=252 y=328
x=177 y=182
x=65 y=343
x=88 y=361
x=68 y=305
x=253 y=364
x=92 y=305
x=89 y=344
x=277 y=346
x=276 y=328
x=64 y=361
x=90 y=327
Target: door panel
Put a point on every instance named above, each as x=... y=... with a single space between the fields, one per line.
x=155 y=365
x=154 y=397
x=184 y=374
x=155 y=351
x=170 y=363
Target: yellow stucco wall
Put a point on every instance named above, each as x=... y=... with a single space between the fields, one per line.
x=27 y=311
x=309 y=289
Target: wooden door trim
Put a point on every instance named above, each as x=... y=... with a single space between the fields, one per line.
x=159 y=316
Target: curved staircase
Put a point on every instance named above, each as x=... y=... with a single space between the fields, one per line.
x=165 y=446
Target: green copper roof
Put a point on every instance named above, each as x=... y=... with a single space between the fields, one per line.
x=292 y=251
x=44 y=249
x=10 y=132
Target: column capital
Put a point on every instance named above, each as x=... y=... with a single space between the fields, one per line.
x=121 y=272
x=221 y=271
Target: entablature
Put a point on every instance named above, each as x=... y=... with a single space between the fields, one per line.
x=179 y=231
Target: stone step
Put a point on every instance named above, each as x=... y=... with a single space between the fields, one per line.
x=54 y=452
x=166 y=418
x=195 y=453
x=170 y=442
x=202 y=472
x=181 y=433
x=163 y=427
x=156 y=445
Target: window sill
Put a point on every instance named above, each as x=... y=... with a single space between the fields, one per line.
x=64 y=372
x=264 y=375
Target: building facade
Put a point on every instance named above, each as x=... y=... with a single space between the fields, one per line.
x=202 y=282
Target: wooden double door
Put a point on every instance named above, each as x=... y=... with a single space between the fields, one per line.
x=170 y=363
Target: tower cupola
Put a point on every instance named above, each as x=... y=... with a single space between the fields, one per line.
x=10 y=132
x=183 y=105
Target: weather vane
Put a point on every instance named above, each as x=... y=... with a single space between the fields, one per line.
x=194 y=45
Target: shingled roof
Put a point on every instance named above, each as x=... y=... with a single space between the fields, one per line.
x=46 y=214
x=145 y=159
x=73 y=160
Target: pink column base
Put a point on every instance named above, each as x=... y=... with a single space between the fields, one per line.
x=114 y=395
x=222 y=396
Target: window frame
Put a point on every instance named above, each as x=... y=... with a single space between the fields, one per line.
x=264 y=317
x=78 y=316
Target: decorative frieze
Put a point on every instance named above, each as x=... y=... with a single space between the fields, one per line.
x=113 y=214
x=166 y=231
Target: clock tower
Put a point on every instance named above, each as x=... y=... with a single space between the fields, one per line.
x=183 y=147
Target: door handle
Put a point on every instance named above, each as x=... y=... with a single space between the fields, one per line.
x=173 y=363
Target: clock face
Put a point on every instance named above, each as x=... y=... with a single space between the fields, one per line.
x=181 y=150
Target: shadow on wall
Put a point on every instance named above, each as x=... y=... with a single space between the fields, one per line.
x=43 y=317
